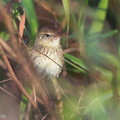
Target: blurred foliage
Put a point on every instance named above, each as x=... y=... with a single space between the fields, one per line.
x=5 y=36
x=95 y=67
x=31 y=17
x=99 y=17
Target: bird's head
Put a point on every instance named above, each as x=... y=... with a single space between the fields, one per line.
x=48 y=37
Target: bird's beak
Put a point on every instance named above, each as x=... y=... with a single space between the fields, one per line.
x=56 y=37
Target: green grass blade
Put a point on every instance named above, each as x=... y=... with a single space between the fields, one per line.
x=24 y=103
x=67 y=11
x=108 y=34
x=31 y=16
x=75 y=62
x=102 y=36
x=100 y=15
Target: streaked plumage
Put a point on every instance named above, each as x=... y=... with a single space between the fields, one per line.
x=46 y=53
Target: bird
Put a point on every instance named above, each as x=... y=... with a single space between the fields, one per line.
x=46 y=54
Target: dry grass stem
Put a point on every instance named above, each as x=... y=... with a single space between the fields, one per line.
x=21 y=27
x=15 y=78
x=45 y=5
x=5 y=80
x=9 y=93
x=7 y=48
x=44 y=117
x=71 y=50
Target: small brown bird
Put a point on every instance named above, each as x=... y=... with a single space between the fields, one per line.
x=46 y=54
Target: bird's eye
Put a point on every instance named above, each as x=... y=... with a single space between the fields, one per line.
x=47 y=35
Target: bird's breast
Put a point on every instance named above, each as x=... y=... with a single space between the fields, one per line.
x=48 y=61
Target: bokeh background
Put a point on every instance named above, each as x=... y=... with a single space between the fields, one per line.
x=90 y=79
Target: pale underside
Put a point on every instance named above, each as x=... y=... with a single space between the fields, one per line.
x=47 y=61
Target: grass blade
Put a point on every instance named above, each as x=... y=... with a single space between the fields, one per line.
x=99 y=16
x=31 y=16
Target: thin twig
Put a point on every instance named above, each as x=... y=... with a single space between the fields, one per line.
x=7 y=48
x=5 y=80
x=9 y=93
x=39 y=100
x=71 y=50
x=49 y=58
x=34 y=94
x=44 y=117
